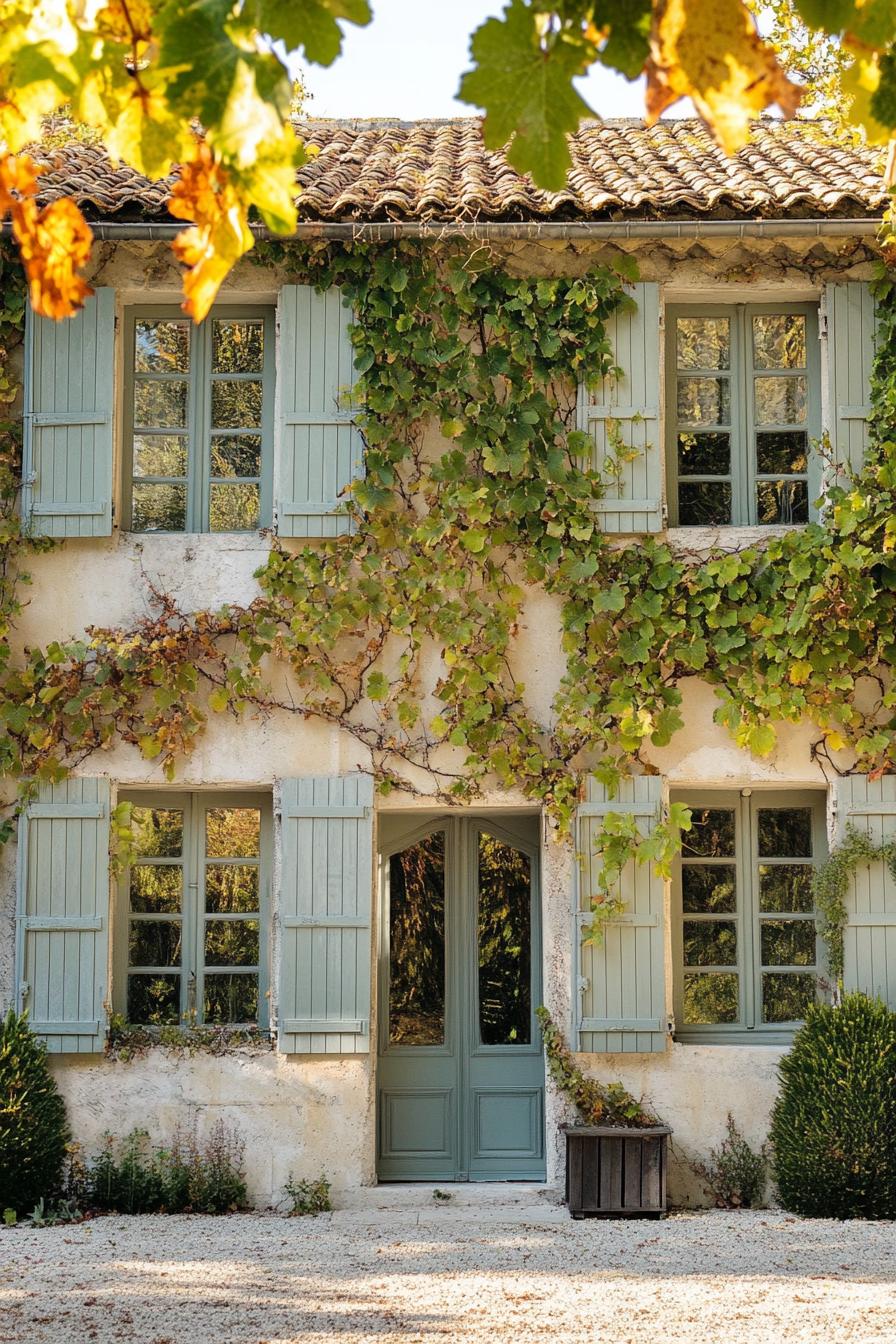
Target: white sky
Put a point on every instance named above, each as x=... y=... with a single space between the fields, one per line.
x=407 y=63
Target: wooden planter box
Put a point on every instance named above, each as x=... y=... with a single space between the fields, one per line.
x=616 y=1173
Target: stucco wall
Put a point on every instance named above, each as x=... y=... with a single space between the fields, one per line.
x=311 y=1114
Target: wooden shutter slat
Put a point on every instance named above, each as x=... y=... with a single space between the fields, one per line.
x=325 y=914
x=319 y=450
x=69 y=388
x=869 y=939
x=621 y=1004
x=851 y=332
x=634 y=503
x=62 y=914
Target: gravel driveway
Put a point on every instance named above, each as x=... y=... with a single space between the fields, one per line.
x=445 y=1273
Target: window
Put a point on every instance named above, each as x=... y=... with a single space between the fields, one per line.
x=747 y=949
x=743 y=405
x=193 y=906
x=198 y=420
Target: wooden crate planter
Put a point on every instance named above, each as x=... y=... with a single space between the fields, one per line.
x=616 y=1173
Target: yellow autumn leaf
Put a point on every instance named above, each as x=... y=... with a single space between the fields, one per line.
x=836 y=741
x=220 y=232
x=54 y=242
x=800 y=672
x=713 y=54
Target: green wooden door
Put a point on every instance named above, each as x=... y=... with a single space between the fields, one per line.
x=461 y=1071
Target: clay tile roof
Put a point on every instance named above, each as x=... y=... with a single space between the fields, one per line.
x=441 y=171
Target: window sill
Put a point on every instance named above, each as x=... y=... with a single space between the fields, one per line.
x=683 y=539
x=777 y=1037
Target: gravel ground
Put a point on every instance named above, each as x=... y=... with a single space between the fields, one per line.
x=447 y=1274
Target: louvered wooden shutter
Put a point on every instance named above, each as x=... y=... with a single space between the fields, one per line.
x=869 y=942
x=634 y=502
x=326 y=886
x=319 y=449
x=69 y=385
x=851 y=329
x=622 y=981
x=62 y=914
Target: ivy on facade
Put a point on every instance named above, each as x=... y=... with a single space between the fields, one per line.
x=475 y=492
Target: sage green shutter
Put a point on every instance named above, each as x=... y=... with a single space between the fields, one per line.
x=62 y=914
x=622 y=980
x=633 y=503
x=319 y=449
x=69 y=387
x=851 y=329
x=326 y=886
x=869 y=940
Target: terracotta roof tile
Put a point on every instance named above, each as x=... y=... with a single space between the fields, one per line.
x=441 y=171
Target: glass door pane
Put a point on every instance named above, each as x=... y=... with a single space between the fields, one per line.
x=504 y=931
x=417 y=943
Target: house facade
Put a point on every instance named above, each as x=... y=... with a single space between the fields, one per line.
x=385 y=953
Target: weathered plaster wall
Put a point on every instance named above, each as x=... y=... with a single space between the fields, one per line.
x=314 y=1114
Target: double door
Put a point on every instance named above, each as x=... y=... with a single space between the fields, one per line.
x=460 y=1075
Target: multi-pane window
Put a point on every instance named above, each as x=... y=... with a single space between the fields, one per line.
x=198 y=420
x=747 y=947
x=192 y=943
x=742 y=411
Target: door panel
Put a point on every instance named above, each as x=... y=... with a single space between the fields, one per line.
x=460 y=1072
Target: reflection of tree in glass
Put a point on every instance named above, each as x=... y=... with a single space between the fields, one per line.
x=417 y=943
x=162 y=347
x=237 y=345
x=231 y=942
x=710 y=998
x=504 y=943
x=154 y=1001
x=785 y=832
x=711 y=834
x=785 y=998
x=232 y=832
x=158 y=831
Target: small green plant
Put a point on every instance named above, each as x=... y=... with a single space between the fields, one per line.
x=596 y=1102
x=441 y=1196
x=832 y=1124
x=10 y=1217
x=130 y=1176
x=736 y=1174
x=52 y=1213
x=308 y=1197
x=33 y=1126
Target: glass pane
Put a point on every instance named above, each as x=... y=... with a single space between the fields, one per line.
x=703 y=342
x=710 y=998
x=232 y=832
x=158 y=831
x=160 y=405
x=788 y=942
x=785 y=998
x=233 y=508
x=709 y=888
x=782 y=501
x=711 y=835
x=156 y=890
x=234 y=455
x=710 y=942
x=158 y=508
x=779 y=341
x=704 y=454
x=417 y=943
x=786 y=886
x=236 y=405
x=780 y=401
x=237 y=345
x=154 y=1000
x=785 y=452
x=160 y=455
x=154 y=942
x=230 y=998
x=785 y=832
x=704 y=401
x=162 y=347
x=231 y=888
x=704 y=504
x=504 y=935
x=231 y=942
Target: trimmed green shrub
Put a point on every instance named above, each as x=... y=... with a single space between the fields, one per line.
x=833 y=1124
x=130 y=1176
x=33 y=1126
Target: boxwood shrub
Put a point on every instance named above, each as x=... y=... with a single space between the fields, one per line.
x=33 y=1126
x=834 y=1121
